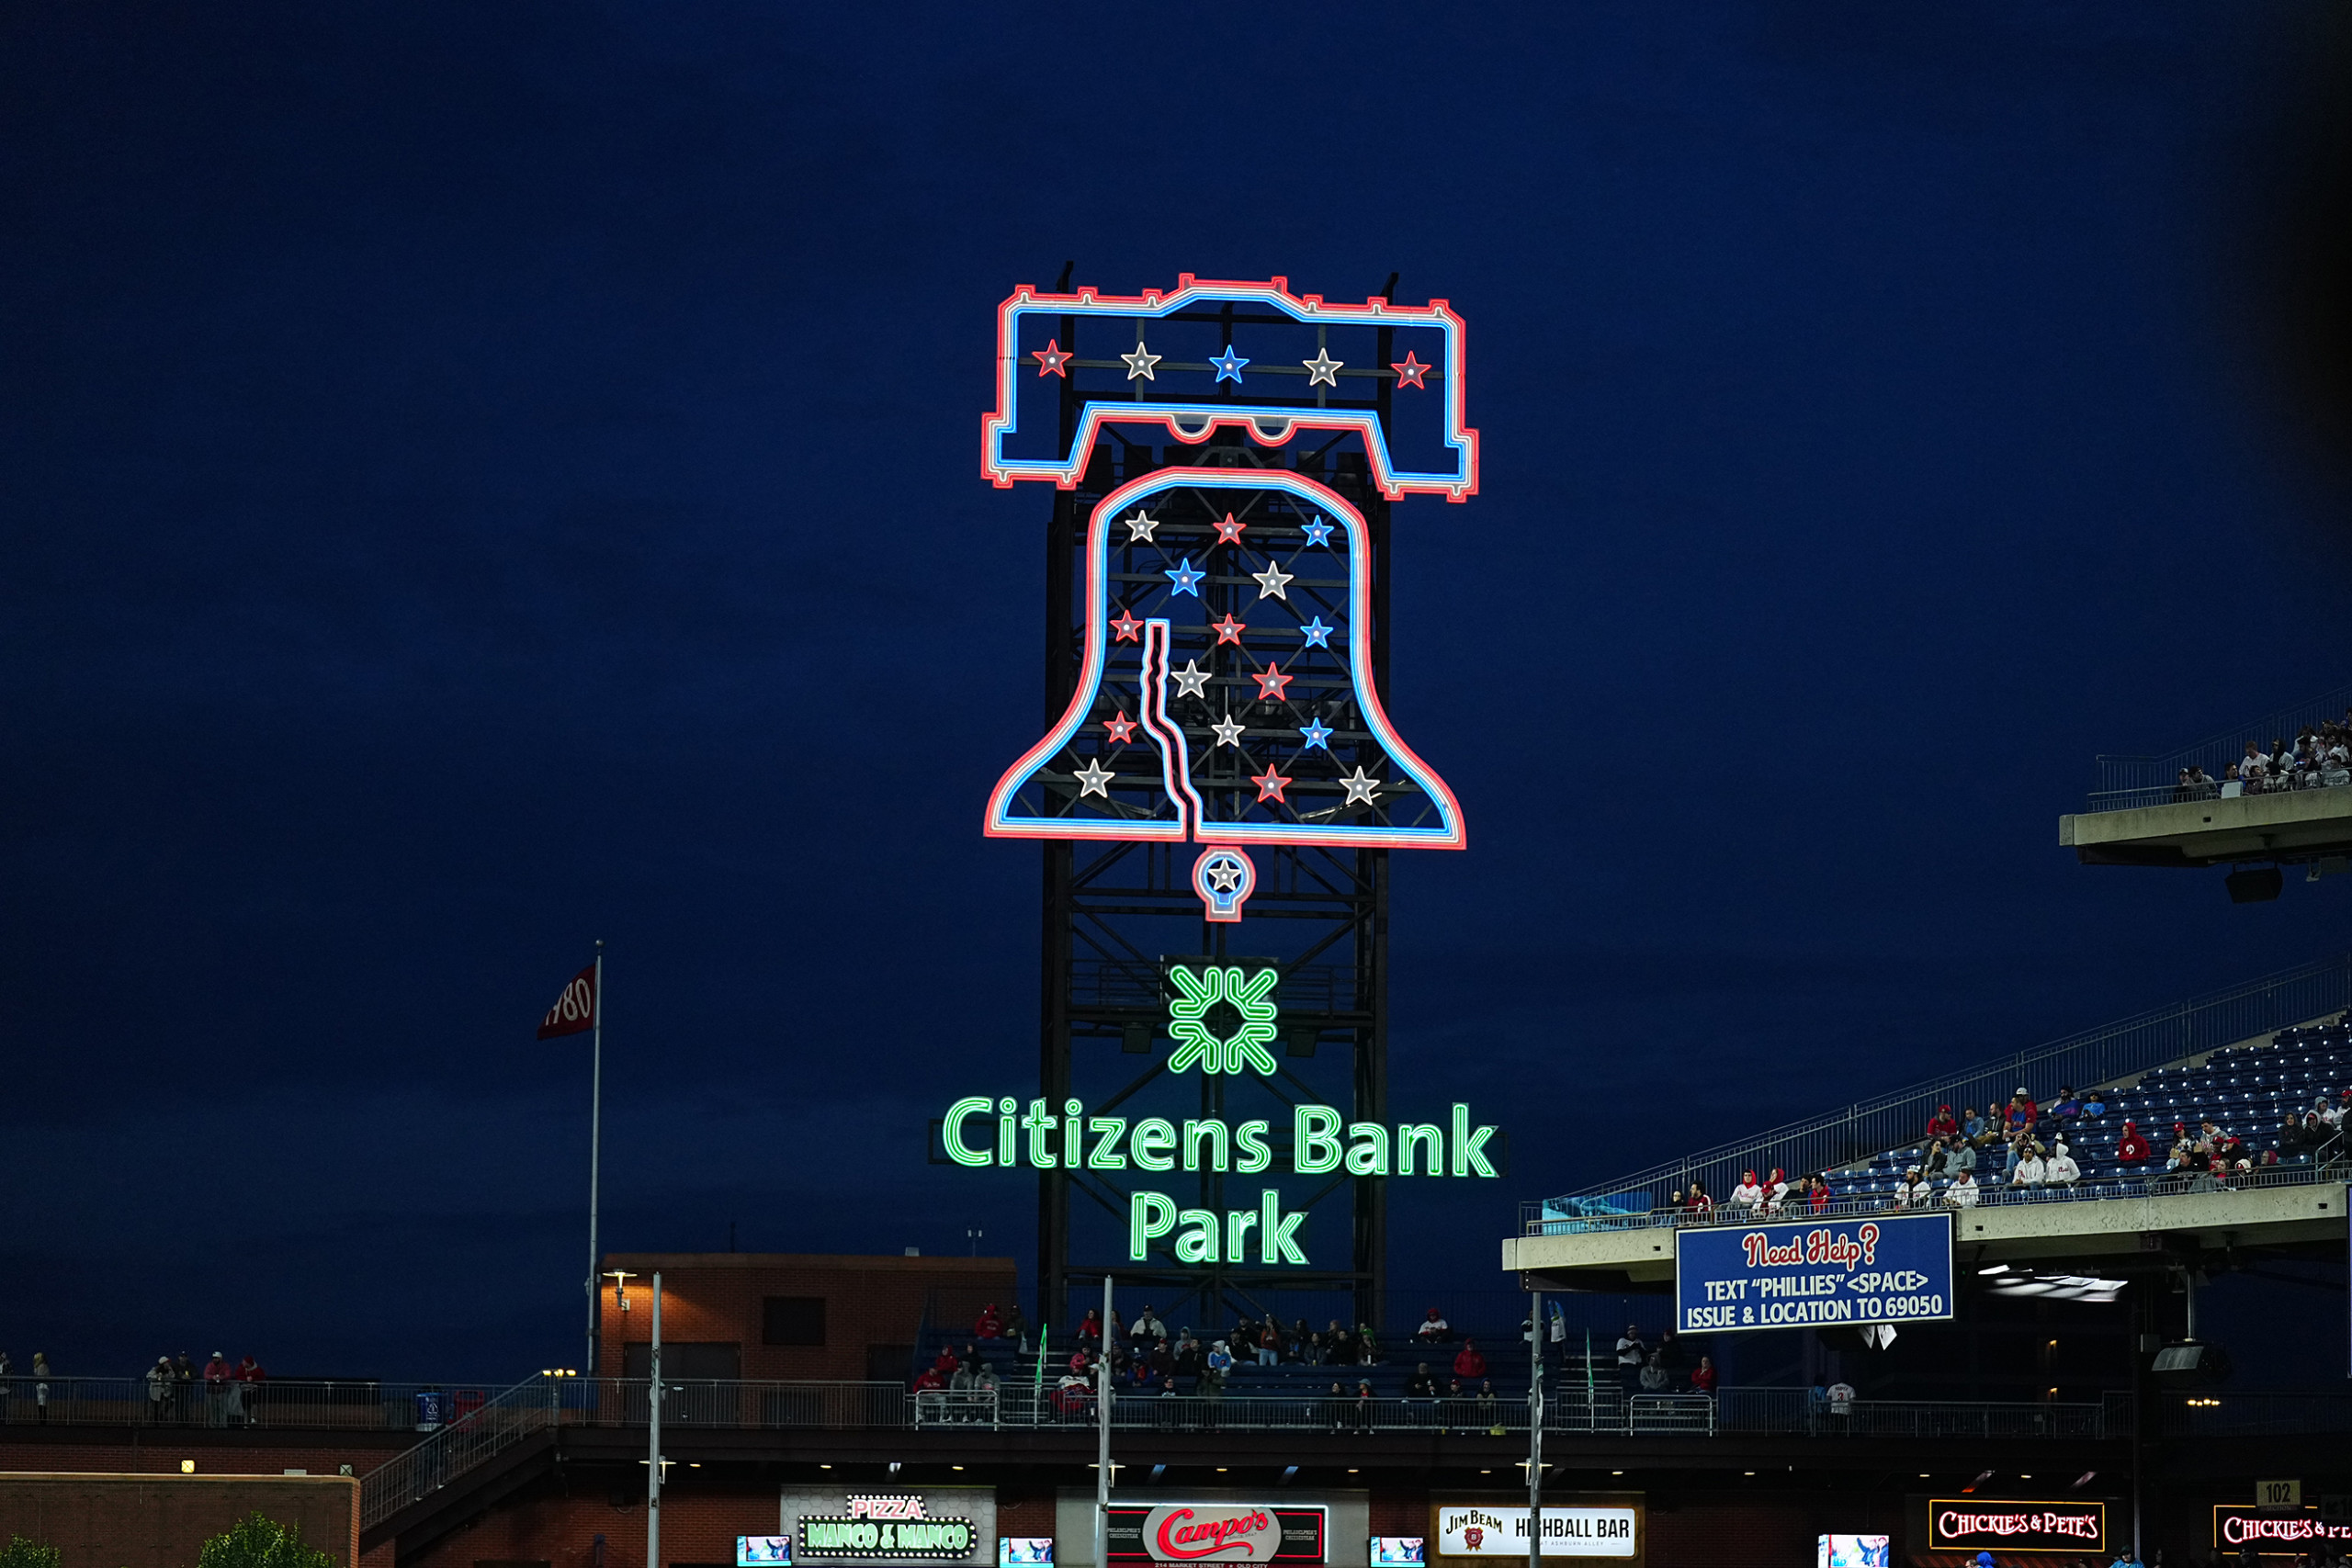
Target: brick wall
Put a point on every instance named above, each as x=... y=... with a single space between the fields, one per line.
x=720 y=1296
x=162 y=1456
x=562 y=1532
x=163 y=1521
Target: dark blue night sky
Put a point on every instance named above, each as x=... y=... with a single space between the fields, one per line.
x=480 y=478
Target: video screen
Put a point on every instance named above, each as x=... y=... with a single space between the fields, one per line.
x=1853 y=1551
x=1394 y=1549
x=750 y=1548
x=1021 y=1551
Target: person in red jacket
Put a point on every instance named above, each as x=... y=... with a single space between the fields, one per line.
x=988 y=1326
x=2132 y=1148
x=1467 y=1362
x=1703 y=1380
x=929 y=1381
x=1941 y=1124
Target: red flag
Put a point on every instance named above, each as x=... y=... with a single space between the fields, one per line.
x=574 y=1011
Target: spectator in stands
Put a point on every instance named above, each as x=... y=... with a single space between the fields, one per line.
x=1467 y=1362
x=1817 y=1200
x=1961 y=1193
x=1421 y=1386
x=1090 y=1331
x=1776 y=1191
x=1747 y=1194
x=988 y=1325
x=2061 y=1169
x=1215 y=1368
x=1367 y=1347
x=1340 y=1345
x=1670 y=1351
x=2252 y=766
x=220 y=1379
x=2031 y=1171
x=2095 y=1103
x=1911 y=1192
x=1703 y=1380
x=1270 y=1343
x=1300 y=1342
x=1971 y=1125
x=1487 y=1416
x=1654 y=1376
x=2067 y=1107
x=1961 y=1158
x=159 y=1388
x=930 y=1382
x=1434 y=1329
x=1942 y=1125
x=1015 y=1328
x=1697 y=1201
x=1116 y=1331
x=1363 y=1405
x=1147 y=1326
x=2020 y=1114
x=961 y=1380
x=946 y=1363
x=1631 y=1353
x=2333 y=772
x=1934 y=1166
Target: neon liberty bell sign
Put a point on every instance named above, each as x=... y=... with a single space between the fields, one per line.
x=1255 y=721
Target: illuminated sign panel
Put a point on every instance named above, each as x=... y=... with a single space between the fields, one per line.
x=1216 y=1532
x=1608 y=1526
x=1806 y=1273
x=2273 y=1532
x=930 y=1524
x=1971 y=1524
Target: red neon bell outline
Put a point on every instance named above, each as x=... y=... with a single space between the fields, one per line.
x=1192 y=421
x=1176 y=768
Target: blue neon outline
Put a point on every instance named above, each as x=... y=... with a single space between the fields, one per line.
x=1152 y=699
x=1267 y=424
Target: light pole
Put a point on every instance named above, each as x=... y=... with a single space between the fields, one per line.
x=654 y=1441
x=1534 y=1430
x=1102 y=1435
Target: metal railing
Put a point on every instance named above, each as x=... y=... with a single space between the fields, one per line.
x=2179 y=794
x=1544 y=1219
x=284 y=1403
x=2104 y=1055
x=481 y=1434
x=2124 y=775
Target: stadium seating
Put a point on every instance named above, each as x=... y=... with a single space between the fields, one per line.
x=2247 y=1092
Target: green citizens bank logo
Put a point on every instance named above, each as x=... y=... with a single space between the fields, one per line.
x=1222 y=1017
x=1190 y=1025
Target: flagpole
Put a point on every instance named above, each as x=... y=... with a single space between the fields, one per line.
x=596 y=1154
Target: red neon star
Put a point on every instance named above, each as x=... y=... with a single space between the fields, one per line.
x=1271 y=681
x=1228 y=629
x=1051 y=358
x=1271 y=784
x=1408 y=373
x=1120 y=728
x=1231 y=531
x=1126 y=626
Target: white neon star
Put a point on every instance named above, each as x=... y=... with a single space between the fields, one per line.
x=1140 y=525
x=1271 y=582
x=1140 y=362
x=1094 y=778
x=1223 y=877
x=1360 y=786
x=1322 y=370
x=1230 y=732
x=1191 y=681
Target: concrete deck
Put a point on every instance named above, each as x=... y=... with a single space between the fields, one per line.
x=2210 y=832
x=2021 y=1233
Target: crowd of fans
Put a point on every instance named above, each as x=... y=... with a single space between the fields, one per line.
x=177 y=1391
x=2023 y=1146
x=2319 y=758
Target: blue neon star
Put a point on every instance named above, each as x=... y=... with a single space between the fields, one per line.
x=1320 y=532
x=1229 y=365
x=1184 y=576
x=1316 y=732
x=1318 y=634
